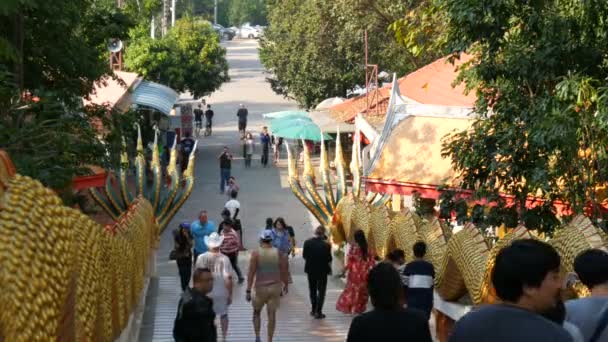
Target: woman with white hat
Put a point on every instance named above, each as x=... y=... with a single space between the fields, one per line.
x=219 y=264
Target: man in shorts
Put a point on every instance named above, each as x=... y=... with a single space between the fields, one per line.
x=242 y=114
x=268 y=269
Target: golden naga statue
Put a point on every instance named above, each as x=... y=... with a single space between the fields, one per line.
x=463 y=261
x=64 y=277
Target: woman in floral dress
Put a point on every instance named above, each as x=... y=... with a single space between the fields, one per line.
x=353 y=299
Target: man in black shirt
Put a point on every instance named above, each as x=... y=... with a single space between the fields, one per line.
x=317 y=254
x=209 y=118
x=225 y=167
x=419 y=278
x=195 y=320
x=242 y=115
x=198 y=117
x=187 y=146
x=388 y=321
x=526 y=278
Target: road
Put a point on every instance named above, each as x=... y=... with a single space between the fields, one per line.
x=264 y=193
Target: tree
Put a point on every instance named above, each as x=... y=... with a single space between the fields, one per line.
x=423 y=29
x=52 y=143
x=243 y=11
x=539 y=73
x=188 y=58
x=67 y=55
x=51 y=54
x=315 y=49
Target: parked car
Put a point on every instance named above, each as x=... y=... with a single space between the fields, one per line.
x=249 y=32
x=224 y=33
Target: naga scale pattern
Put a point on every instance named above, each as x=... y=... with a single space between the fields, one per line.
x=463 y=261
x=64 y=277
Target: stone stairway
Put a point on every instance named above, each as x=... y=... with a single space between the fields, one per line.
x=293 y=320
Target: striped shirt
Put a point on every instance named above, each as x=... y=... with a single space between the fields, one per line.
x=420 y=276
x=231 y=243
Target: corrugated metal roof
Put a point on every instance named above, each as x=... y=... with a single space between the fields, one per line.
x=157 y=96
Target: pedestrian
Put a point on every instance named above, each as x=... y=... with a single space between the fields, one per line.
x=225 y=159
x=265 y=142
x=233 y=205
x=230 y=247
x=242 y=118
x=225 y=216
x=277 y=143
x=269 y=223
x=557 y=315
x=317 y=257
x=195 y=320
x=281 y=240
x=232 y=185
x=221 y=268
x=590 y=314
x=200 y=229
x=249 y=149
x=182 y=251
x=268 y=271
x=419 y=277
x=198 y=119
x=526 y=279
x=397 y=259
x=186 y=148
x=291 y=234
x=388 y=320
x=359 y=261
x=209 y=119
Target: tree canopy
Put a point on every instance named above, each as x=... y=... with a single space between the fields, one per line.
x=188 y=58
x=51 y=55
x=315 y=49
x=539 y=73
x=67 y=55
x=247 y=11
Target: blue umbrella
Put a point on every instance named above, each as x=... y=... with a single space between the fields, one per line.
x=306 y=131
x=288 y=121
x=286 y=113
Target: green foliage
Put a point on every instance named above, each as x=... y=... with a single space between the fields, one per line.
x=424 y=207
x=188 y=58
x=315 y=49
x=539 y=74
x=422 y=30
x=247 y=11
x=67 y=53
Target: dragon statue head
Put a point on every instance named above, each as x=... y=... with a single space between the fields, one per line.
x=65 y=277
x=463 y=261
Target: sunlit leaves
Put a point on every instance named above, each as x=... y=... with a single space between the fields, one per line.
x=188 y=58
x=540 y=74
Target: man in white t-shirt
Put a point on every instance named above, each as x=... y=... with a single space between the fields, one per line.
x=233 y=205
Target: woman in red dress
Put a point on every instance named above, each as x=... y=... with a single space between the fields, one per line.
x=353 y=299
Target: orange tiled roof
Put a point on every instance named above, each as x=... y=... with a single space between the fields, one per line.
x=431 y=84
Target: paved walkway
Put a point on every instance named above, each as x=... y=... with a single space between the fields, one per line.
x=264 y=193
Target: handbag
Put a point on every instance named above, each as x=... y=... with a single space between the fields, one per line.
x=173 y=255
